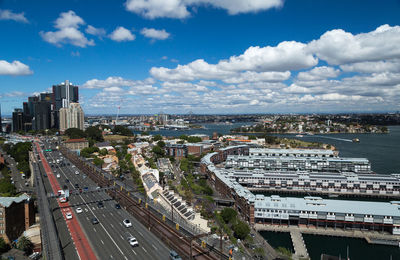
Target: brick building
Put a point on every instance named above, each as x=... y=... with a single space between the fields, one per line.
x=178 y=151
x=76 y=144
x=16 y=215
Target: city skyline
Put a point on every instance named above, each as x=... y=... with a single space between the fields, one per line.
x=209 y=57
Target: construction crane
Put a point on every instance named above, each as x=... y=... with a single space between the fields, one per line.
x=116 y=119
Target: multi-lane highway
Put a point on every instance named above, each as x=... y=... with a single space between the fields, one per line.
x=109 y=237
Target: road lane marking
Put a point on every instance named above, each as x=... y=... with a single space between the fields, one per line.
x=134 y=252
x=144 y=249
x=154 y=246
x=94 y=229
x=102 y=241
x=140 y=233
x=112 y=225
x=100 y=223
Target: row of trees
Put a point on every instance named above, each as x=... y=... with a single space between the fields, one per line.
x=24 y=244
x=92 y=133
x=230 y=223
x=7 y=189
x=190 y=139
x=20 y=153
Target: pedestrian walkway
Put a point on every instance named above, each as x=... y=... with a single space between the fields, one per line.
x=299 y=245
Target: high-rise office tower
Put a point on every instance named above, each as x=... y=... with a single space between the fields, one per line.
x=64 y=94
x=71 y=117
x=17 y=120
x=42 y=112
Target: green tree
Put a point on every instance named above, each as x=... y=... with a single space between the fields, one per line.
x=23 y=166
x=228 y=215
x=158 y=151
x=103 y=152
x=94 y=133
x=183 y=137
x=4 y=247
x=271 y=139
x=194 y=139
x=25 y=245
x=97 y=161
x=122 y=130
x=157 y=138
x=87 y=152
x=241 y=230
x=161 y=144
x=128 y=157
x=75 y=133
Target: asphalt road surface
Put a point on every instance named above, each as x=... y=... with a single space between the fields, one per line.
x=109 y=238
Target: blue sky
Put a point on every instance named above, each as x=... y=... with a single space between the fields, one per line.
x=222 y=56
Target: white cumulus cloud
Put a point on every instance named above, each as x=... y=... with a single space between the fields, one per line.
x=10 y=15
x=318 y=73
x=68 y=32
x=121 y=34
x=179 y=8
x=339 y=47
x=155 y=34
x=15 y=68
x=286 y=56
x=100 y=32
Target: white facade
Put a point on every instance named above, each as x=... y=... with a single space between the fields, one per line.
x=71 y=117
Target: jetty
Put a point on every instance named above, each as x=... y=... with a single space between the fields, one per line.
x=300 y=250
x=372 y=237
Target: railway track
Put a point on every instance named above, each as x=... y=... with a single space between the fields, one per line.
x=170 y=236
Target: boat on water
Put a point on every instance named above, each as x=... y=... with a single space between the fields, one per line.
x=356 y=140
x=333 y=195
x=299 y=135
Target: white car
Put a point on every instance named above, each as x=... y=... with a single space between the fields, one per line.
x=133 y=241
x=127 y=223
x=68 y=215
x=76 y=172
x=58 y=176
x=79 y=210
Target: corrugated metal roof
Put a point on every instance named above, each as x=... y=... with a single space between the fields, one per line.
x=7 y=201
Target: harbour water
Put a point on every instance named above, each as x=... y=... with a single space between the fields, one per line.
x=358 y=249
x=383 y=151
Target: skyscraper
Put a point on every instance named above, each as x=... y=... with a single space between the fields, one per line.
x=63 y=94
x=42 y=112
x=17 y=120
x=71 y=117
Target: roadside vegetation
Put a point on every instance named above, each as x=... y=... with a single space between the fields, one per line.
x=20 y=153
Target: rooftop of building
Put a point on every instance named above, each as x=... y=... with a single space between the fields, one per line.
x=8 y=201
x=78 y=140
x=292 y=151
x=318 y=204
x=294 y=158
